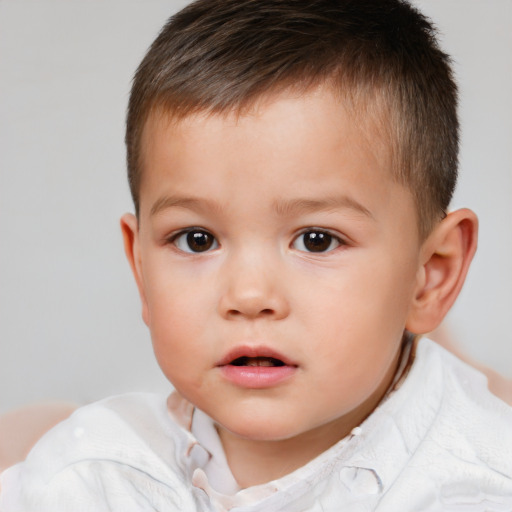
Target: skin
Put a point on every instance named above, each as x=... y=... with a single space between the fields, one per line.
x=257 y=182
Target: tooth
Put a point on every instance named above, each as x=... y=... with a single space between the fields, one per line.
x=259 y=361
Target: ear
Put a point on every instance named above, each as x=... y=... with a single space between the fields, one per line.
x=130 y=230
x=445 y=258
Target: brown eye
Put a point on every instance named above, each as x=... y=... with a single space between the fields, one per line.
x=316 y=241
x=196 y=240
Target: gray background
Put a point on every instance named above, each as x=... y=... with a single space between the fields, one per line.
x=70 y=324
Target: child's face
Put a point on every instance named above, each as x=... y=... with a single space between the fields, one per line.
x=279 y=233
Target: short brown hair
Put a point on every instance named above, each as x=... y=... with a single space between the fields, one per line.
x=222 y=55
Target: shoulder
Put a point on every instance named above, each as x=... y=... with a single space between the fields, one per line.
x=461 y=390
x=114 y=449
x=457 y=435
x=105 y=429
x=467 y=412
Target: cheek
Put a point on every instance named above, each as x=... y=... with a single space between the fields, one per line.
x=175 y=293
x=177 y=318
x=362 y=314
x=179 y=311
x=359 y=296
x=385 y=285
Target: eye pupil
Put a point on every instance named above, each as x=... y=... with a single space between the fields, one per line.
x=316 y=241
x=199 y=241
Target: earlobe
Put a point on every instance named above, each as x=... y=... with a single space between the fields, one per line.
x=130 y=231
x=446 y=256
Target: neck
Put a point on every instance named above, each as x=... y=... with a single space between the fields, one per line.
x=255 y=462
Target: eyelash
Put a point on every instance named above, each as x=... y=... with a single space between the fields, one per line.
x=322 y=237
x=323 y=240
x=184 y=235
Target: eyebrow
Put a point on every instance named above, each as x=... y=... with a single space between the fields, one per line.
x=282 y=207
x=190 y=203
x=305 y=205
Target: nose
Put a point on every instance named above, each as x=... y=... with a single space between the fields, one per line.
x=253 y=288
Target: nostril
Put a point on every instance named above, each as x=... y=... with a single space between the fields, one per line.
x=252 y=303
x=263 y=312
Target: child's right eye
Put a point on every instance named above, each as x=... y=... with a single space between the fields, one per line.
x=194 y=241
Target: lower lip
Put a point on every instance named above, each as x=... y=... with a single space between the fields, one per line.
x=257 y=377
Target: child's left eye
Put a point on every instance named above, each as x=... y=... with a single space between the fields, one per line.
x=316 y=240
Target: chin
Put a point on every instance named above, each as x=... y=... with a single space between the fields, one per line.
x=261 y=429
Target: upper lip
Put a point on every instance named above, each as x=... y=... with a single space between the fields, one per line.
x=254 y=351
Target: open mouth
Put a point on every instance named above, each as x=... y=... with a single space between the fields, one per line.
x=256 y=367
x=257 y=361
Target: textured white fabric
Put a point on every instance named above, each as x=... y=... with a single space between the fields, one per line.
x=441 y=442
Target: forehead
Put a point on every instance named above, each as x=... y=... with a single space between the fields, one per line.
x=353 y=123
x=307 y=149
x=289 y=135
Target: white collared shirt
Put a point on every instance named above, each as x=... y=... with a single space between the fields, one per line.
x=440 y=442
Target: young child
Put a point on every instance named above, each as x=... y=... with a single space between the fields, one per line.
x=291 y=164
